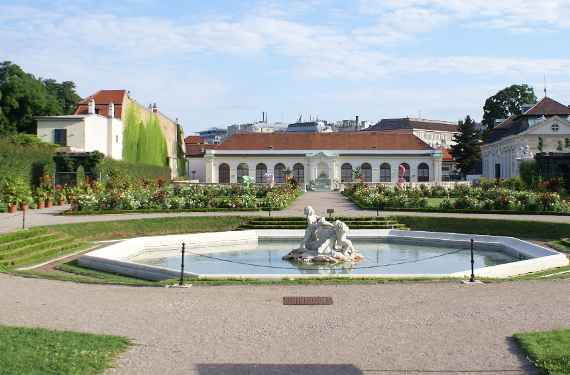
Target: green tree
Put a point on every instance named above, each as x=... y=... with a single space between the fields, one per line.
x=467 y=150
x=507 y=102
x=23 y=97
x=64 y=93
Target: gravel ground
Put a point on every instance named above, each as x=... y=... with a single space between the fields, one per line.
x=319 y=200
x=415 y=328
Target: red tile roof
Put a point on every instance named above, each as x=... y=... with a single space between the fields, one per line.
x=548 y=107
x=197 y=150
x=102 y=100
x=193 y=140
x=324 y=141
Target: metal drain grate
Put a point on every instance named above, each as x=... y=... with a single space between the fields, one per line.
x=307 y=301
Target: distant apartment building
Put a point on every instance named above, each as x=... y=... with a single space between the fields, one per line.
x=350 y=125
x=309 y=127
x=256 y=127
x=98 y=124
x=213 y=136
x=437 y=134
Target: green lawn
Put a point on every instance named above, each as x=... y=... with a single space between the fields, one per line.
x=36 y=245
x=533 y=230
x=549 y=351
x=40 y=351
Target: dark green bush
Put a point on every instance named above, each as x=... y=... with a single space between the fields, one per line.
x=28 y=160
x=109 y=167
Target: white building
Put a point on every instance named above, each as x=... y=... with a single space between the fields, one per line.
x=324 y=159
x=544 y=127
x=438 y=134
x=84 y=133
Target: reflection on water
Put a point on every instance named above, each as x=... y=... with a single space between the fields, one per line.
x=268 y=254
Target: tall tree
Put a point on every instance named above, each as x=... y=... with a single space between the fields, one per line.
x=64 y=93
x=467 y=150
x=507 y=102
x=23 y=97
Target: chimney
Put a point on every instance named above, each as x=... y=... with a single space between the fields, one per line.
x=91 y=107
x=262 y=116
x=111 y=110
x=357 y=123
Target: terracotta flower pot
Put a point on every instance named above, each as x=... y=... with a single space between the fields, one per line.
x=49 y=203
x=12 y=208
x=61 y=202
x=41 y=204
x=23 y=206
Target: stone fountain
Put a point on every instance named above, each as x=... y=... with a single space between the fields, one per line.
x=324 y=242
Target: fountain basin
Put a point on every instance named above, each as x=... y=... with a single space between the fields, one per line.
x=257 y=254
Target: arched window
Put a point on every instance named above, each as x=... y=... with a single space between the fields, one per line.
x=346 y=173
x=279 y=173
x=366 y=172
x=260 y=171
x=224 y=174
x=406 y=175
x=299 y=173
x=385 y=173
x=423 y=172
x=242 y=170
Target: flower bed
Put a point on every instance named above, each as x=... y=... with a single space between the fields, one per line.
x=146 y=196
x=482 y=198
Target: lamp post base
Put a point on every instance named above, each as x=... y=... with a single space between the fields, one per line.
x=469 y=282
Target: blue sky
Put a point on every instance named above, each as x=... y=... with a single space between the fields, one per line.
x=214 y=63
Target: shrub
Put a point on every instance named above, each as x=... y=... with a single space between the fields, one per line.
x=528 y=171
x=25 y=157
x=15 y=190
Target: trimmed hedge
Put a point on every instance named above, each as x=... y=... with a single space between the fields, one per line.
x=26 y=160
x=535 y=230
x=108 y=167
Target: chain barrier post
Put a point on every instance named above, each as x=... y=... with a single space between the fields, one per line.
x=472 y=279
x=182 y=265
x=24 y=218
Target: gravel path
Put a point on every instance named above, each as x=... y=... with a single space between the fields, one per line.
x=421 y=328
x=319 y=200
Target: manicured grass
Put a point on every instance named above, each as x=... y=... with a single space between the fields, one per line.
x=549 y=351
x=41 y=351
x=534 y=230
x=147 y=227
x=41 y=244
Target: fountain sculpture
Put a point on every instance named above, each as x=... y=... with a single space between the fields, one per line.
x=324 y=242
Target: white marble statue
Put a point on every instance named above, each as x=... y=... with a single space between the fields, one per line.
x=324 y=242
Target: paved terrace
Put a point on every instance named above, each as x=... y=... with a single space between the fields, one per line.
x=319 y=200
x=422 y=328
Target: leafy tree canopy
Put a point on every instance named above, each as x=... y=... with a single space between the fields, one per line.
x=467 y=150
x=23 y=96
x=507 y=102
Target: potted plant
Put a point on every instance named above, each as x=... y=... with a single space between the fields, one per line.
x=25 y=203
x=15 y=192
x=59 y=195
x=40 y=196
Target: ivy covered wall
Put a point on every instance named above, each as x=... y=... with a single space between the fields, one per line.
x=143 y=140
